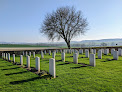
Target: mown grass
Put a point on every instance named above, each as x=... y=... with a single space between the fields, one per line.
x=105 y=77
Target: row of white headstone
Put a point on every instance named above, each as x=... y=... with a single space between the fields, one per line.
x=75 y=57
x=93 y=51
x=37 y=60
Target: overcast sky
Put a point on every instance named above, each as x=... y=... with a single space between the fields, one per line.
x=20 y=20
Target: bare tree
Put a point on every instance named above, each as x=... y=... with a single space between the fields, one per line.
x=64 y=23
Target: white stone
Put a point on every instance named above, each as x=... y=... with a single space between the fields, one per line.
x=28 y=61
x=8 y=56
x=33 y=54
x=115 y=55
x=23 y=53
x=73 y=50
x=106 y=51
x=45 y=52
x=103 y=51
x=92 y=60
x=56 y=51
x=112 y=51
x=94 y=51
x=26 y=53
x=65 y=50
x=75 y=58
x=99 y=54
x=49 y=52
x=21 y=59
x=4 y=55
x=63 y=56
x=42 y=55
x=120 y=52
x=14 y=58
x=87 y=53
x=30 y=54
x=37 y=59
x=53 y=55
x=52 y=70
x=76 y=51
x=86 y=50
x=70 y=51
x=60 y=51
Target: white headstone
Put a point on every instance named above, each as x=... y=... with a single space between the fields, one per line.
x=42 y=55
x=37 y=59
x=112 y=51
x=103 y=51
x=86 y=50
x=75 y=58
x=60 y=51
x=28 y=61
x=49 y=52
x=33 y=54
x=56 y=51
x=4 y=55
x=120 y=52
x=100 y=54
x=52 y=70
x=26 y=53
x=8 y=56
x=65 y=50
x=14 y=58
x=94 y=51
x=45 y=52
x=23 y=53
x=30 y=54
x=92 y=60
x=87 y=53
x=106 y=51
x=73 y=50
x=63 y=56
x=70 y=51
x=115 y=55
x=53 y=55
x=21 y=59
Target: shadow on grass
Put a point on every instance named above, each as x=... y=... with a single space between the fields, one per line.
x=83 y=57
x=77 y=67
x=9 y=65
x=107 y=55
x=16 y=73
x=63 y=64
x=108 y=59
x=58 y=55
x=32 y=79
x=58 y=60
x=10 y=68
x=69 y=56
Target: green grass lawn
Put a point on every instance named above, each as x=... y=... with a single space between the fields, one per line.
x=105 y=77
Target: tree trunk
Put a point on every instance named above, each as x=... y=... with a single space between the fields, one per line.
x=68 y=44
